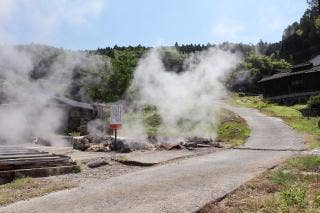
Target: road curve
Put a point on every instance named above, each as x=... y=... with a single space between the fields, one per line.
x=182 y=186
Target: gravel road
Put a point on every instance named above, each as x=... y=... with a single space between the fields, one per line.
x=182 y=186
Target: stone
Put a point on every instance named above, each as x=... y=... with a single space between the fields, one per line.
x=120 y=146
x=97 y=163
x=103 y=147
x=81 y=143
x=41 y=141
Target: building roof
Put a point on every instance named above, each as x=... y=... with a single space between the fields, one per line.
x=287 y=74
x=73 y=103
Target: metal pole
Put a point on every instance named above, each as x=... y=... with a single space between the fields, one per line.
x=115 y=136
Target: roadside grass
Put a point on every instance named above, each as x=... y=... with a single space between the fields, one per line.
x=232 y=129
x=288 y=188
x=308 y=163
x=289 y=114
x=25 y=188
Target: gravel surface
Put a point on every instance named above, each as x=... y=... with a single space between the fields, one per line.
x=179 y=186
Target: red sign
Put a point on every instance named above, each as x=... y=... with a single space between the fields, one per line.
x=115 y=126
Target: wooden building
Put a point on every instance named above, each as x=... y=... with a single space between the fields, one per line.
x=292 y=86
x=78 y=114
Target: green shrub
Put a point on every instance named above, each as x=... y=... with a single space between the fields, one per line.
x=294 y=196
x=314 y=102
x=282 y=178
x=77 y=168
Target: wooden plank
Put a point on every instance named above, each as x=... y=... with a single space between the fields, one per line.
x=31 y=160
x=6 y=150
x=24 y=156
x=17 y=161
x=34 y=165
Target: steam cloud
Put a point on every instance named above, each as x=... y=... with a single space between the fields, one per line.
x=26 y=102
x=185 y=101
x=27 y=106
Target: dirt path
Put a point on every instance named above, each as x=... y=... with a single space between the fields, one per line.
x=182 y=186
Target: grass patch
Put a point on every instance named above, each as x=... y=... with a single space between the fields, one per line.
x=294 y=196
x=25 y=188
x=286 y=189
x=282 y=178
x=232 y=130
x=18 y=183
x=77 y=168
x=74 y=134
x=291 y=115
x=309 y=163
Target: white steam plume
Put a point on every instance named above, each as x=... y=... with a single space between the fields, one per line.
x=27 y=104
x=185 y=101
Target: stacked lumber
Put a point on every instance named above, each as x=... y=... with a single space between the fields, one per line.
x=16 y=162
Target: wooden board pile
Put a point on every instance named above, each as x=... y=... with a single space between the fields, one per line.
x=17 y=162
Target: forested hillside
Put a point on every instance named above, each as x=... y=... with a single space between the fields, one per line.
x=301 y=39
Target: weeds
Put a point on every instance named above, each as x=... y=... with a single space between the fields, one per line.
x=77 y=168
x=294 y=196
x=282 y=178
x=18 y=183
x=317 y=198
x=287 y=189
x=232 y=129
x=74 y=134
x=309 y=163
x=25 y=188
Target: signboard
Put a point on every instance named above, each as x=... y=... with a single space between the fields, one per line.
x=116 y=116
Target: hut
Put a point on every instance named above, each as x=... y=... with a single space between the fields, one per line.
x=79 y=114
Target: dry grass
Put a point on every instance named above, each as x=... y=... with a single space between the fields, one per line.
x=286 y=189
x=25 y=188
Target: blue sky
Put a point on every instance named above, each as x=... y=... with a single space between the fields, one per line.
x=88 y=24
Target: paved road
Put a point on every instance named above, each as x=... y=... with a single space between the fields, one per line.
x=182 y=186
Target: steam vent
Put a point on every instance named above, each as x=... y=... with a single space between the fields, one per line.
x=16 y=162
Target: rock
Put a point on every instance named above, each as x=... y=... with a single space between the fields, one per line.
x=217 y=145
x=41 y=141
x=199 y=140
x=170 y=146
x=81 y=143
x=103 y=147
x=120 y=146
x=152 y=139
x=97 y=163
x=203 y=145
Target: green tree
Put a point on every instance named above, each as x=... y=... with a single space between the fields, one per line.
x=314 y=4
x=262 y=65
